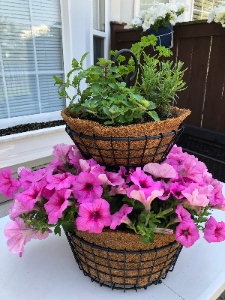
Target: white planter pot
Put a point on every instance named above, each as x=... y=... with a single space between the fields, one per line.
x=28 y=146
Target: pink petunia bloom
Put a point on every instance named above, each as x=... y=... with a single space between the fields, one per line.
x=163 y=170
x=138 y=194
x=27 y=177
x=56 y=166
x=16 y=209
x=216 y=197
x=93 y=216
x=18 y=234
x=56 y=205
x=187 y=233
x=73 y=156
x=176 y=190
x=121 y=216
x=144 y=183
x=29 y=197
x=182 y=213
x=140 y=179
x=196 y=195
x=61 y=151
x=166 y=186
x=91 y=166
x=214 y=231
x=9 y=186
x=111 y=178
x=121 y=190
x=87 y=187
x=192 y=169
x=60 y=181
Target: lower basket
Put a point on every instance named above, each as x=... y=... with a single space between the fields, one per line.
x=120 y=261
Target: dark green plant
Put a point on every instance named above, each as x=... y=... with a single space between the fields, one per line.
x=158 y=79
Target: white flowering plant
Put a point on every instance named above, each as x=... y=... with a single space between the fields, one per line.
x=158 y=16
x=217 y=14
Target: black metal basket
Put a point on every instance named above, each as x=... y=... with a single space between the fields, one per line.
x=127 y=151
x=121 y=269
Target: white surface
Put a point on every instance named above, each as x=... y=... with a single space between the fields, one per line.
x=48 y=271
x=27 y=146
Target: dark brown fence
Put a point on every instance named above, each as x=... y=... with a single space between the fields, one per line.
x=201 y=46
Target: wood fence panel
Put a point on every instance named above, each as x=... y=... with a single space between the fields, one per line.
x=214 y=107
x=205 y=77
x=197 y=60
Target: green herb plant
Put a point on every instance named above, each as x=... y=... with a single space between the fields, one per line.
x=109 y=101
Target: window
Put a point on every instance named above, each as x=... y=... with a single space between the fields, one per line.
x=30 y=54
x=202 y=7
x=100 y=28
x=144 y=4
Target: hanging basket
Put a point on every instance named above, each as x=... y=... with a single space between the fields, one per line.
x=164 y=35
x=130 y=146
x=117 y=259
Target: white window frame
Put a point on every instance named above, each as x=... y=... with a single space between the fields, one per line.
x=103 y=34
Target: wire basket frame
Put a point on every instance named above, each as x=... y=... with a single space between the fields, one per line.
x=127 y=151
x=121 y=269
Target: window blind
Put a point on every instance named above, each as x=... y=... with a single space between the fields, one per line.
x=99 y=15
x=144 y=4
x=202 y=8
x=30 y=54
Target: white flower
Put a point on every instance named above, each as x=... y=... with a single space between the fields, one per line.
x=217 y=14
x=158 y=16
x=136 y=22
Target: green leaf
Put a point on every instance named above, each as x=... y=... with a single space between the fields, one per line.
x=154 y=115
x=83 y=58
x=57 y=230
x=145 y=239
x=57 y=80
x=68 y=226
x=75 y=63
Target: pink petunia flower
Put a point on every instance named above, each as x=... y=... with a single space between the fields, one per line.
x=57 y=204
x=18 y=234
x=87 y=187
x=111 y=178
x=176 y=189
x=216 y=197
x=29 y=197
x=138 y=194
x=91 y=166
x=61 y=151
x=166 y=187
x=163 y=170
x=56 y=166
x=182 y=213
x=187 y=233
x=59 y=181
x=27 y=177
x=214 y=231
x=143 y=181
x=121 y=216
x=196 y=195
x=121 y=190
x=16 y=209
x=73 y=156
x=9 y=186
x=93 y=216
